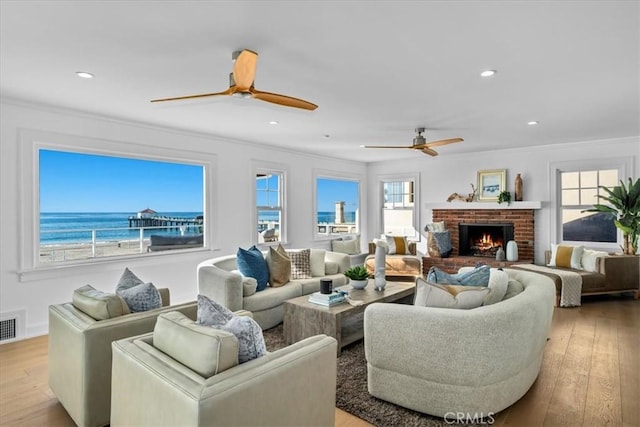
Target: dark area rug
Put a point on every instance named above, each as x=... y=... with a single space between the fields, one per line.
x=351 y=389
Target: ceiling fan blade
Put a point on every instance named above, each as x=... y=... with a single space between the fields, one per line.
x=244 y=69
x=443 y=142
x=229 y=91
x=283 y=100
x=385 y=146
x=429 y=151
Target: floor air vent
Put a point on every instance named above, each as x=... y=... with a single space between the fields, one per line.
x=8 y=329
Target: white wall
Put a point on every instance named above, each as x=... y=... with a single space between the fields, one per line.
x=33 y=292
x=443 y=175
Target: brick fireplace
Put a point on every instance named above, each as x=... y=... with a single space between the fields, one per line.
x=523 y=234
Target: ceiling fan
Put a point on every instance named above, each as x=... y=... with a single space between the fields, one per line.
x=419 y=143
x=241 y=84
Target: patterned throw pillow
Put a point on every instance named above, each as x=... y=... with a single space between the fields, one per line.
x=448 y=296
x=479 y=276
x=250 y=340
x=138 y=295
x=397 y=245
x=279 y=265
x=251 y=263
x=300 y=264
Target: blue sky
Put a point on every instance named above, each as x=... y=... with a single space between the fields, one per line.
x=75 y=182
x=331 y=191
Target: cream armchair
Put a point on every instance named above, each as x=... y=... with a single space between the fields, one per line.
x=204 y=386
x=80 y=355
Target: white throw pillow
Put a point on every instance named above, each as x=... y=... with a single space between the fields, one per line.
x=448 y=296
x=589 y=258
x=355 y=237
x=317 y=262
x=349 y=247
x=498 y=283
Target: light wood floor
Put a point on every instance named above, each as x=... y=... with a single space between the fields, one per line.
x=590 y=375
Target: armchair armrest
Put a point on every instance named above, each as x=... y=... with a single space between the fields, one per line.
x=222 y=286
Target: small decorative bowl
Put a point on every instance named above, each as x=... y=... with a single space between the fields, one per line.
x=358 y=284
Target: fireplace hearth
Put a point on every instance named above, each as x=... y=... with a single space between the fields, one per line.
x=483 y=240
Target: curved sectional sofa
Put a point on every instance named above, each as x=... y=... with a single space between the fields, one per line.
x=441 y=361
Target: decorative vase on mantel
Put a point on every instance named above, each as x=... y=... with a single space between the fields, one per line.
x=518 y=189
x=512 y=251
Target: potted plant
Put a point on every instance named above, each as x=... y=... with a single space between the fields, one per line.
x=504 y=197
x=358 y=276
x=624 y=205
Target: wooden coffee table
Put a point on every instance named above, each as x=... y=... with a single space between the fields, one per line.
x=344 y=322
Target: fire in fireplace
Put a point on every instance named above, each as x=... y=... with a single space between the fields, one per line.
x=483 y=240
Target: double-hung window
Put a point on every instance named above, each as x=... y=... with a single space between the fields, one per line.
x=269 y=206
x=399 y=215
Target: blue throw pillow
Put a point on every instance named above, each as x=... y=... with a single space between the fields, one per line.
x=479 y=276
x=251 y=263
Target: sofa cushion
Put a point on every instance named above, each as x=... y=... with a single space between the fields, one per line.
x=590 y=258
x=349 y=247
x=249 y=334
x=251 y=263
x=448 y=296
x=435 y=226
x=514 y=287
x=300 y=264
x=331 y=267
x=498 y=284
x=97 y=304
x=204 y=350
x=272 y=297
x=279 y=265
x=316 y=259
x=397 y=245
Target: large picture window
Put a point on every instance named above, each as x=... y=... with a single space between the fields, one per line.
x=269 y=206
x=96 y=206
x=337 y=206
x=399 y=207
x=579 y=191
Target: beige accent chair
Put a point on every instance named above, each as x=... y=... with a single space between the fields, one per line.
x=443 y=360
x=80 y=355
x=195 y=381
x=402 y=267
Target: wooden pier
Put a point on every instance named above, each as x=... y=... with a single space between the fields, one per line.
x=168 y=222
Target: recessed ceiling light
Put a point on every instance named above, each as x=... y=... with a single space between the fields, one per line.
x=488 y=73
x=533 y=123
x=273 y=122
x=84 y=74
x=326 y=135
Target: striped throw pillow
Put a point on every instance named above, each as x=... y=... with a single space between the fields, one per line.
x=397 y=245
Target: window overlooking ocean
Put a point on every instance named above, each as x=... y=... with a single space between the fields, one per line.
x=337 y=205
x=399 y=208
x=94 y=206
x=269 y=206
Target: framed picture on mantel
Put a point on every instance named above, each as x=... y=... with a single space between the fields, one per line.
x=490 y=184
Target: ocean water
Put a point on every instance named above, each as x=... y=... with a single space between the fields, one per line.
x=75 y=227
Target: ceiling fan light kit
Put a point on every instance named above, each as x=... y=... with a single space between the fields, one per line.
x=241 y=84
x=420 y=143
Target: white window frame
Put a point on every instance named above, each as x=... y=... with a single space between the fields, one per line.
x=274 y=169
x=415 y=177
x=343 y=176
x=624 y=165
x=32 y=141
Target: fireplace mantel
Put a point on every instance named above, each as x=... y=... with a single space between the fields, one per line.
x=483 y=205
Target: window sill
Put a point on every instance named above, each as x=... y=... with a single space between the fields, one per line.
x=97 y=265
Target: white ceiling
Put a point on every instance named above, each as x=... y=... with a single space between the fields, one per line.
x=377 y=69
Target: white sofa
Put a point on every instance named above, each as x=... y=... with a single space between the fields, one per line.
x=439 y=361
x=219 y=280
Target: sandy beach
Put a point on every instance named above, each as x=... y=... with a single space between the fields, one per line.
x=77 y=251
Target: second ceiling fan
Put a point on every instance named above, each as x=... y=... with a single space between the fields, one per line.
x=420 y=143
